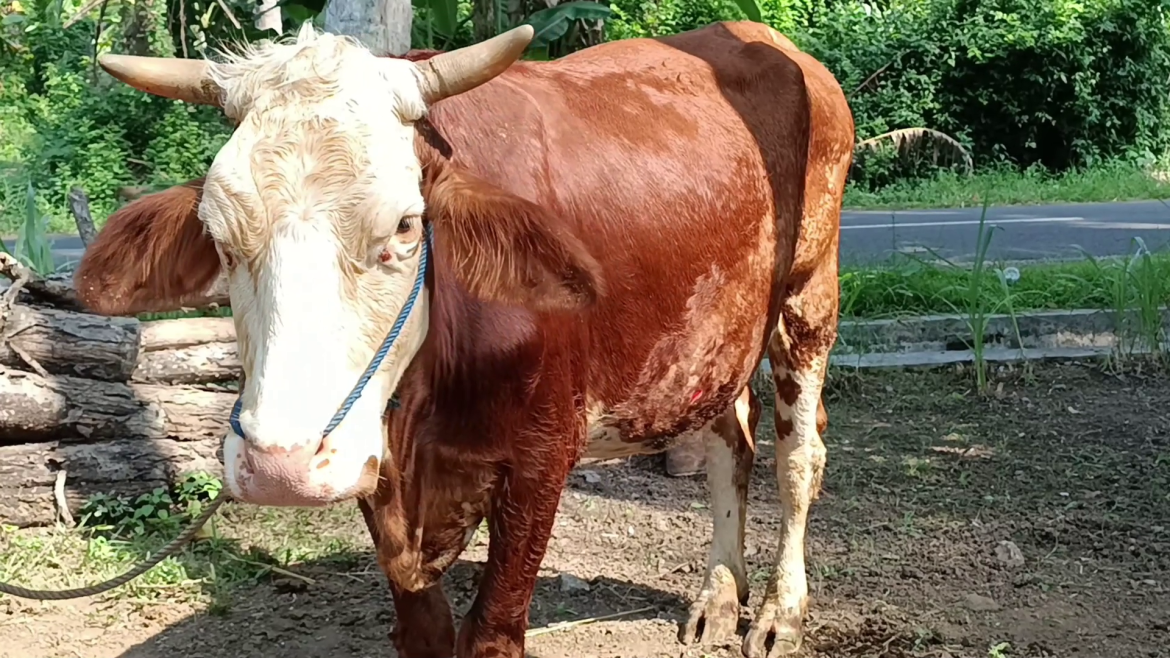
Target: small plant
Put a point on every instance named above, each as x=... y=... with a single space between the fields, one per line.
x=1135 y=289
x=1149 y=290
x=973 y=297
x=160 y=511
x=32 y=243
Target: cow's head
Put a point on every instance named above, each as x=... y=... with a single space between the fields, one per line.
x=314 y=210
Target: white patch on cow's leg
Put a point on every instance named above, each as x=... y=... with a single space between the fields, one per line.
x=800 y=455
x=725 y=587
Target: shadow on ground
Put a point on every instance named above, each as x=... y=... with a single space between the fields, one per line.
x=350 y=613
x=1033 y=521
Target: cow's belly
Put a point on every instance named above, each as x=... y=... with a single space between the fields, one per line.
x=606 y=441
x=685 y=400
x=688 y=367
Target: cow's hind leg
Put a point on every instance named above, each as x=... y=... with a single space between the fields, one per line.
x=714 y=615
x=799 y=352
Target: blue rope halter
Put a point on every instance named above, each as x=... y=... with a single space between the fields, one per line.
x=375 y=363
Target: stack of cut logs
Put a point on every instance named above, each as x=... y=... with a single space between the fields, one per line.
x=90 y=403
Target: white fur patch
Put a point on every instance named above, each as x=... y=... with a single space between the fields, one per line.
x=796 y=458
x=309 y=190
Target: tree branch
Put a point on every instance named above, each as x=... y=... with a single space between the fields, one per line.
x=55 y=290
x=79 y=206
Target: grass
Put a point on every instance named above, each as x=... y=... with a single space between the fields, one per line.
x=1006 y=187
x=909 y=286
x=239 y=547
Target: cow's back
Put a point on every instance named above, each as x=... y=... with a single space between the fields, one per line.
x=682 y=162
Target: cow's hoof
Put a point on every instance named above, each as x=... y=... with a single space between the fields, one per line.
x=716 y=610
x=783 y=628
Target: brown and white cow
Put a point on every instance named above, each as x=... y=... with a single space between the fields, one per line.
x=618 y=238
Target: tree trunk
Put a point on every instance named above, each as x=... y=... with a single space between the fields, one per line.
x=199 y=364
x=268 y=16
x=35 y=408
x=65 y=343
x=143 y=32
x=130 y=467
x=485 y=18
x=54 y=342
x=188 y=332
x=383 y=26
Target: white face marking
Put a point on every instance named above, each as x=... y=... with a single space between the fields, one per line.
x=316 y=206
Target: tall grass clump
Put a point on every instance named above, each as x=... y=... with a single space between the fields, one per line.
x=1137 y=289
x=974 y=303
x=32 y=246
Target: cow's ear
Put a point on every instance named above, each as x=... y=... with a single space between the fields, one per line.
x=505 y=248
x=151 y=255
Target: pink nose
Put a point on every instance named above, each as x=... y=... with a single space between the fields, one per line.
x=279 y=476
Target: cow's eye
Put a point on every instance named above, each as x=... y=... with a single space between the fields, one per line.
x=406 y=224
x=229 y=260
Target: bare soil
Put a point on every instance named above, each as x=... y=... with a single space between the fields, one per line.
x=926 y=479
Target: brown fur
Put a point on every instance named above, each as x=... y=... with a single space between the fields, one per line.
x=681 y=193
x=152 y=255
x=483 y=229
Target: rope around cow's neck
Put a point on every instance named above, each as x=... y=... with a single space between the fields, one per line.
x=234 y=421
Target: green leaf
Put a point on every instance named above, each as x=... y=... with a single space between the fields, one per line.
x=445 y=14
x=751 y=9
x=552 y=23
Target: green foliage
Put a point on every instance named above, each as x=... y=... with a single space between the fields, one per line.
x=552 y=23
x=61 y=129
x=650 y=18
x=1055 y=83
x=441 y=24
x=161 y=511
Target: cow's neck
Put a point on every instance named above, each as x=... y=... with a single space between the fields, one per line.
x=417 y=499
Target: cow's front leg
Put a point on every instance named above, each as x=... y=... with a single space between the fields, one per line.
x=425 y=628
x=520 y=524
x=714 y=615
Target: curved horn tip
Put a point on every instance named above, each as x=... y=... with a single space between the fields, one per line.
x=181 y=79
x=525 y=31
x=113 y=64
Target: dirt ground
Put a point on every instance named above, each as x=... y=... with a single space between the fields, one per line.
x=925 y=480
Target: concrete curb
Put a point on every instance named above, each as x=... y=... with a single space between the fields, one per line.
x=1077 y=328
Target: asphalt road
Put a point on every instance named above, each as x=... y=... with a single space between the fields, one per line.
x=1024 y=233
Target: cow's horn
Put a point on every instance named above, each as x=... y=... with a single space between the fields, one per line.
x=451 y=74
x=181 y=79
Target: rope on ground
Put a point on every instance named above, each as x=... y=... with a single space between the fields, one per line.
x=147 y=565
